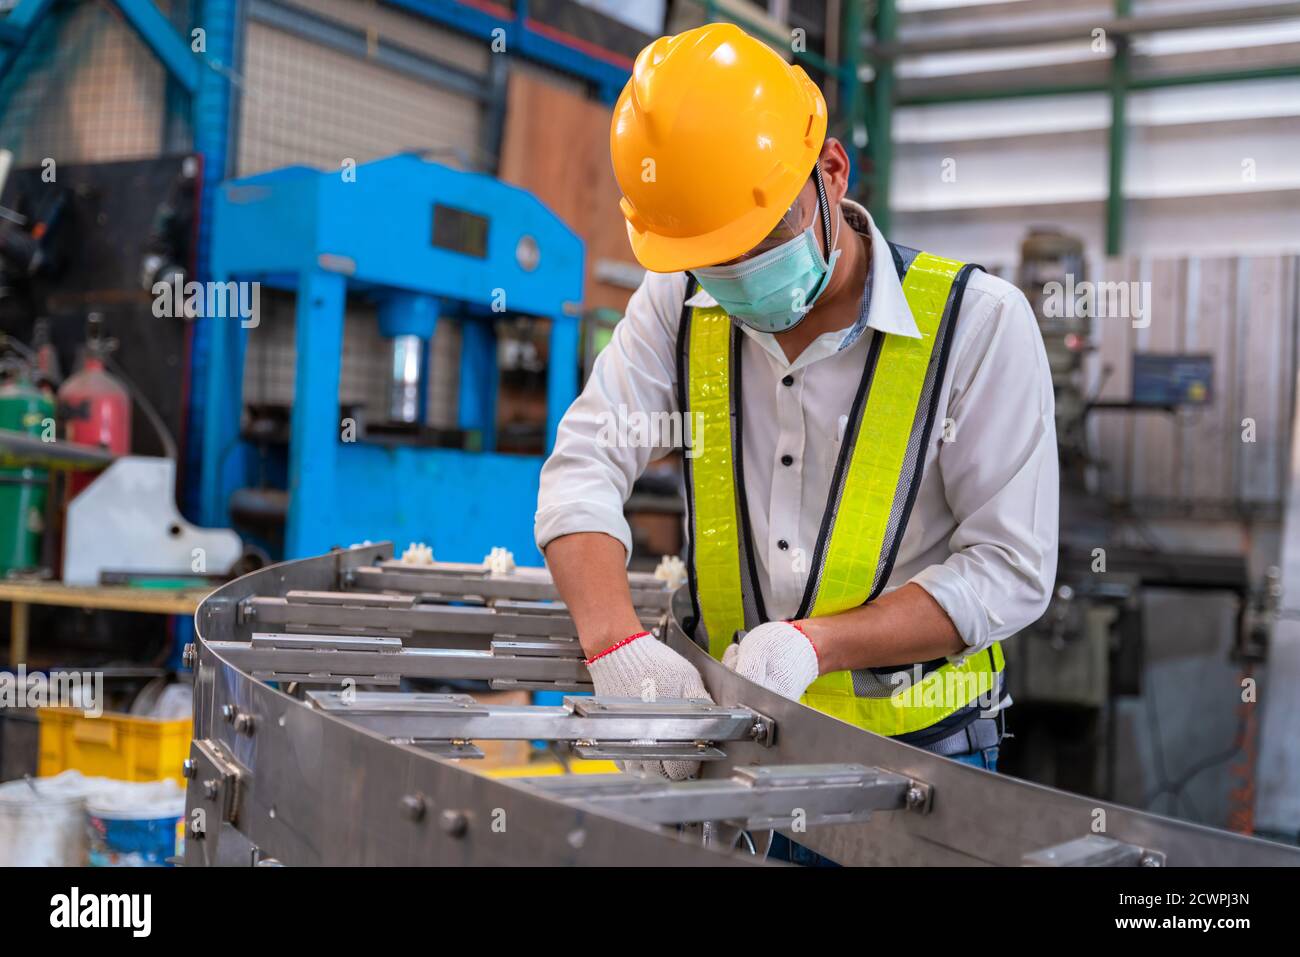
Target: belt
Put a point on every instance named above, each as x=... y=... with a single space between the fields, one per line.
x=979 y=734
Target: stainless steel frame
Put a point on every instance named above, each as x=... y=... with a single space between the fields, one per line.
x=297 y=760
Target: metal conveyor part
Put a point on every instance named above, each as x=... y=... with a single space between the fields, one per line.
x=308 y=751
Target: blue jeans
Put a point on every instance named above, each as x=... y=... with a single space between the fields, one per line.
x=986 y=759
x=786 y=850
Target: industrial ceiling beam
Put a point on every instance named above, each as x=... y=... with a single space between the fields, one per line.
x=354 y=42
x=16 y=28
x=1117 y=137
x=21 y=18
x=157 y=32
x=1076 y=89
x=883 y=101
x=1118 y=26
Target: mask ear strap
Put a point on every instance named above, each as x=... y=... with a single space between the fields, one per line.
x=824 y=205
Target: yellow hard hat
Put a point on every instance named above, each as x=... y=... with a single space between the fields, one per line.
x=712 y=139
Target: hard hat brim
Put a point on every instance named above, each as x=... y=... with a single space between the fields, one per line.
x=666 y=254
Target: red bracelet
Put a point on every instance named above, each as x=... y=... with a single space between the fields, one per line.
x=617 y=645
x=816 y=654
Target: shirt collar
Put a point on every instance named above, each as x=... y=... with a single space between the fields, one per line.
x=886 y=308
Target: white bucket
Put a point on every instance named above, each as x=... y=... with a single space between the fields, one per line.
x=43 y=823
x=135 y=824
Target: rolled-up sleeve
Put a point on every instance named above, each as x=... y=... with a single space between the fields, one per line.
x=611 y=431
x=1000 y=477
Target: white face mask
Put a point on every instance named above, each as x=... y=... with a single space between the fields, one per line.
x=774 y=291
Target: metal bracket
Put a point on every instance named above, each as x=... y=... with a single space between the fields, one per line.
x=523 y=684
x=465 y=750
x=1094 y=851
x=759 y=797
x=213 y=792
x=372 y=659
x=650 y=751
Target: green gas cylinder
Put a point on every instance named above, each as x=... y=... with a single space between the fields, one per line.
x=23 y=408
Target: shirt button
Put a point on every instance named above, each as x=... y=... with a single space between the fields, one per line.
x=783 y=544
x=788 y=380
x=787 y=460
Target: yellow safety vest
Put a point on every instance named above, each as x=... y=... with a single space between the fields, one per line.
x=872 y=492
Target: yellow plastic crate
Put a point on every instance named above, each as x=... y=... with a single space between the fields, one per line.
x=547 y=767
x=119 y=746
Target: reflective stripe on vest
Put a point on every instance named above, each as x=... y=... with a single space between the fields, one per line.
x=873 y=489
x=715 y=536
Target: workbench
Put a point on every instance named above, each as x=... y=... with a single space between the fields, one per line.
x=23 y=594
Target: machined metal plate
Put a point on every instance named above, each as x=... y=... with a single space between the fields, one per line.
x=355 y=599
x=553 y=648
x=452 y=750
x=405 y=662
x=649 y=751
x=417 y=617
x=598 y=720
x=296 y=642
x=796 y=795
x=1094 y=850
x=364 y=702
x=469 y=582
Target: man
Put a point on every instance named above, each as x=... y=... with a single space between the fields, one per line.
x=871 y=471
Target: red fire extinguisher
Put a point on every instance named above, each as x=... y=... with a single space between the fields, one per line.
x=96 y=406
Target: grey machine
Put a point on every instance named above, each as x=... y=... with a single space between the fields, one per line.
x=307 y=752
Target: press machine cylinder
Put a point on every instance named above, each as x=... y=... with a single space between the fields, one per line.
x=408 y=319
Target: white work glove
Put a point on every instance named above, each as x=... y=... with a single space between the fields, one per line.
x=643 y=668
x=776 y=655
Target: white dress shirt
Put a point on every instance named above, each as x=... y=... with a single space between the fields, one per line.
x=982 y=535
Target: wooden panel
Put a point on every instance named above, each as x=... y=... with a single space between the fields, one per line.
x=1209 y=434
x=1242 y=311
x=1266 y=321
x=1114 y=430
x=1155 y=443
x=159 y=601
x=556 y=145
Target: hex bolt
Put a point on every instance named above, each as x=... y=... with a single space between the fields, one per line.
x=244 y=723
x=915 y=798
x=187 y=655
x=1150 y=860
x=454 y=823
x=210 y=789
x=228 y=712
x=414 y=806
x=762 y=731
x=188 y=768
